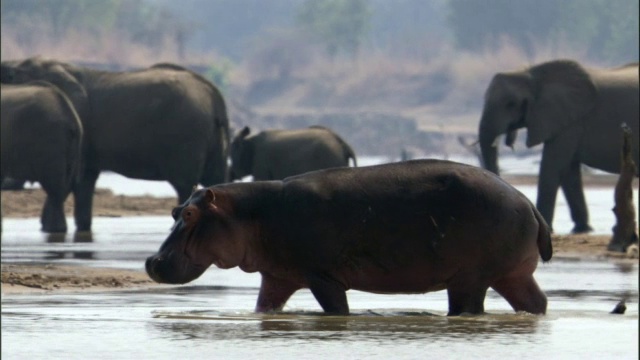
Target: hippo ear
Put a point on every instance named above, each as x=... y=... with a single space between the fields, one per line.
x=210 y=197
x=214 y=203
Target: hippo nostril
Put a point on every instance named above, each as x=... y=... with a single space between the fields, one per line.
x=151 y=263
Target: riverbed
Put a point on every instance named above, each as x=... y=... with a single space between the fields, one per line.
x=213 y=318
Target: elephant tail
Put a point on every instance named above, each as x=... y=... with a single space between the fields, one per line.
x=216 y=168
x=544 y=236
x=75 y=150
x=348 y=151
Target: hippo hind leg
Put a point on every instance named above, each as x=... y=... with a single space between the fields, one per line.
x=522 y=293
x=329 y=292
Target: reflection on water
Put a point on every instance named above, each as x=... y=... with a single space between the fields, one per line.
x=304 y=326
x=213 y=316
x=77 y=237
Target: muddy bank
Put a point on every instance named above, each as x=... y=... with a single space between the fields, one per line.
x=34 y=278
x=41 y=278
x=21 y=278
x=28 y=203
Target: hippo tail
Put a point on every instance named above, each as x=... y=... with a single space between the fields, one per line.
x=544 y=236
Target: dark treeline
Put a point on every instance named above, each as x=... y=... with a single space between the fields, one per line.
x=605 y=30
x=393 y=64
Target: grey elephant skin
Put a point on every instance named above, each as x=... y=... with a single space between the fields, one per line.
x=41 y=141
x=575 y=112
x=159 y=123
x=277 y=154
x=406 y=227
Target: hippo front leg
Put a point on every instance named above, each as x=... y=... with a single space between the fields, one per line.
x=329 y=292
x=274 y=293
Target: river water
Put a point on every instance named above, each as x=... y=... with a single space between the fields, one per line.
x=212 y=316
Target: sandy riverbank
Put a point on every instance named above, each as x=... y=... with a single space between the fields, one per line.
x=28 y=203
x=21 y=278
x=43 y=278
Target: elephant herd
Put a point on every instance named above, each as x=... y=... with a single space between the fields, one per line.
x=63 y=124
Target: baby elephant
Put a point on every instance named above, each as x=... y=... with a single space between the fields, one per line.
x=400 y=228
x=277 y=154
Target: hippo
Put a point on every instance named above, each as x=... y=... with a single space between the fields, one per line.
x=400 y=228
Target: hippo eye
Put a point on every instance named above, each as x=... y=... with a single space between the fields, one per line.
x=187 y=214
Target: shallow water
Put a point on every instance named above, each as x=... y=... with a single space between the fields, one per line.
x=212 y=316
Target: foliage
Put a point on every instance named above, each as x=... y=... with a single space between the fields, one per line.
x=607 y=29
x=139 y=21
x=219 y=72
x=341 y=25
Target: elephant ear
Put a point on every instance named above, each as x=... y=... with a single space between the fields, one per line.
x=69 y=84
x=563 y=95
x=56 y=73
x=244 y=132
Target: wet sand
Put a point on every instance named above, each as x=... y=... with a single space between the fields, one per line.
x=33 y=278
x=43 y=278
x=46 y=278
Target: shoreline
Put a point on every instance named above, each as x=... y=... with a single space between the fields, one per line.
x=28 y=203
x=51 y=278
x=20 y=278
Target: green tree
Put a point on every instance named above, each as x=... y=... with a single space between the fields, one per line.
x=340 y=25
x=604 y=29
x=607 y=29
x=481 y=24
x=137 y=20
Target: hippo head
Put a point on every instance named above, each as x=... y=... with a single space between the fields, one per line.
x=201 y=235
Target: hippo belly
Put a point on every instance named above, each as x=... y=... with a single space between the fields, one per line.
x=413 y=280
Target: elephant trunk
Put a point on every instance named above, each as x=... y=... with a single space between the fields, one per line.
x=489 y=149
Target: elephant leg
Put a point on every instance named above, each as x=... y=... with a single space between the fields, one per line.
x=83 y=195
x=184 y=191
x=548 y=184
x=52 y=218
x=557 y=156
x=574 y=193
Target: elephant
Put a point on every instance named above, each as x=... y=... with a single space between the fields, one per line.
x=12 y=184
x=41 y=141
x=277 y=154
x=576 y=112
x=159 y=123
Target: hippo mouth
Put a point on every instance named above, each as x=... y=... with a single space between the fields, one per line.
x=170 y=270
